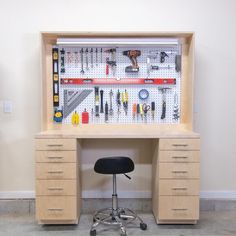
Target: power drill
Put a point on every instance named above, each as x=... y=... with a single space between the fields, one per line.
x=132 y=55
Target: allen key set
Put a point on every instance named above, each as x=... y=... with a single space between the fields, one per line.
x=117 y=84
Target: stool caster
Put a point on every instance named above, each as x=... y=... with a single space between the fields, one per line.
x=143 y=226
x=123 y=231
x=93 y=232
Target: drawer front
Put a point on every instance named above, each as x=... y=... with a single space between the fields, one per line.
x=55 y=156
x=56 y=208
x=178 y=187
x=55 y=144
x=178 y=208
x=179 y=170
x=56 y=170
x=56 y=187
x=179 y=144
x=179 y=156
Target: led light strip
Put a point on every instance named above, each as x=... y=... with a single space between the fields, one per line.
x=118 y=41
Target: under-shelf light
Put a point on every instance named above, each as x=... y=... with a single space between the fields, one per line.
x=118 y=41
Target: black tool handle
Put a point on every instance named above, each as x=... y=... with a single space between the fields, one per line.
x=96 y=90
x=106 y=112
x=138 y=109
x=101 y=97
x=155 y=67
x=163 y=57
x=163 y=114
x=153 y=106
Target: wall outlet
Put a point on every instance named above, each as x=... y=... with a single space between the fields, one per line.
x=7 y=106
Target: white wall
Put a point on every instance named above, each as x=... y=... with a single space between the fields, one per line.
x=215 y=81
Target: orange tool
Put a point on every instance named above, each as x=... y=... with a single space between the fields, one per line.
x=134 y=110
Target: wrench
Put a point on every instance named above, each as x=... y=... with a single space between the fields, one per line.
x=86 y=59
x=82 y=60
x=91 y=56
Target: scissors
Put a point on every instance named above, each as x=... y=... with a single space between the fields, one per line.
x=146 y=108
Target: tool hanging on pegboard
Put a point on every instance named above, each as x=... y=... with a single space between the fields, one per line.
x=55 y=69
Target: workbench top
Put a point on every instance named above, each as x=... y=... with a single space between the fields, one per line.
x=118 y=131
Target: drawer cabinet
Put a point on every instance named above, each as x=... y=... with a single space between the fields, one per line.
x=178 y=170
x=177 y=174
x=56 y=156
x=56 y=170
x=179 y=144
x=56 y=187
x=179 y=207
x=56 y=208
x=55 y=144
x=178 y=187
x=57 y=184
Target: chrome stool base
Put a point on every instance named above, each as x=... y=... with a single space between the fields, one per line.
x=120 y=217
x=115 y=216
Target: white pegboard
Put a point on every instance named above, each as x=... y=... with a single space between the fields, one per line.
x=73 y=70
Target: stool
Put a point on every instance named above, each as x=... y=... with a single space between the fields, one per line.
x=115 y=216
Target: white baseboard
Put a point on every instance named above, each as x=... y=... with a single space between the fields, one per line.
x=121 y=194
x=17 y=194
x=218 y=194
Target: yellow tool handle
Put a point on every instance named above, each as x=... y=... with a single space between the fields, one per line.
x=125 y=96
x=141 y=109
x=75 y=118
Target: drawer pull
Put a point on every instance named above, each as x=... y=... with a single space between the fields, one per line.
x=180 y=171
x=55 y=145
x=179 y=157
x=55 y=172
x=54 y=157
x=55 y=209
x=180 y=145
x=179 y=209
x=55 y=188
x=180 y=189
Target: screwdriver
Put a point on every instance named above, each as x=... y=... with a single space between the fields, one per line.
x=96 y=90
x=134 y=110
x=125 y=101
x=138 y=111
x=141 y=110
x=153 y=110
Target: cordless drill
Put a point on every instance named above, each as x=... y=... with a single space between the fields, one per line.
x=132 y=55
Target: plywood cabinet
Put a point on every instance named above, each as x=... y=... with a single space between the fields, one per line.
x=176 y=170
x=57 y=181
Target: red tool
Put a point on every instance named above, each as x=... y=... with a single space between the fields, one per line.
x=85 y=117
x=107 y=66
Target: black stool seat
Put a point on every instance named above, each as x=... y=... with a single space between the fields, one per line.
x=114 y=165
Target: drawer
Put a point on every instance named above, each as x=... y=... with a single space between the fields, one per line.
x=55 y=144
x=179 y=170
x=56 y=171
x=56 y=208
x=178 y=208
x=179 y=156
x=179 y=144
x=56 y=187
x=56 y=156
x=178 y=187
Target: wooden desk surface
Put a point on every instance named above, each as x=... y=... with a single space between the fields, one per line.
x=118 y=131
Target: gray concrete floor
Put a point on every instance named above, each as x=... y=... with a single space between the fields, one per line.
x=210 y=223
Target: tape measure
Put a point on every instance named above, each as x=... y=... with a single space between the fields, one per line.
x=143 y=94
x=58 y=115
